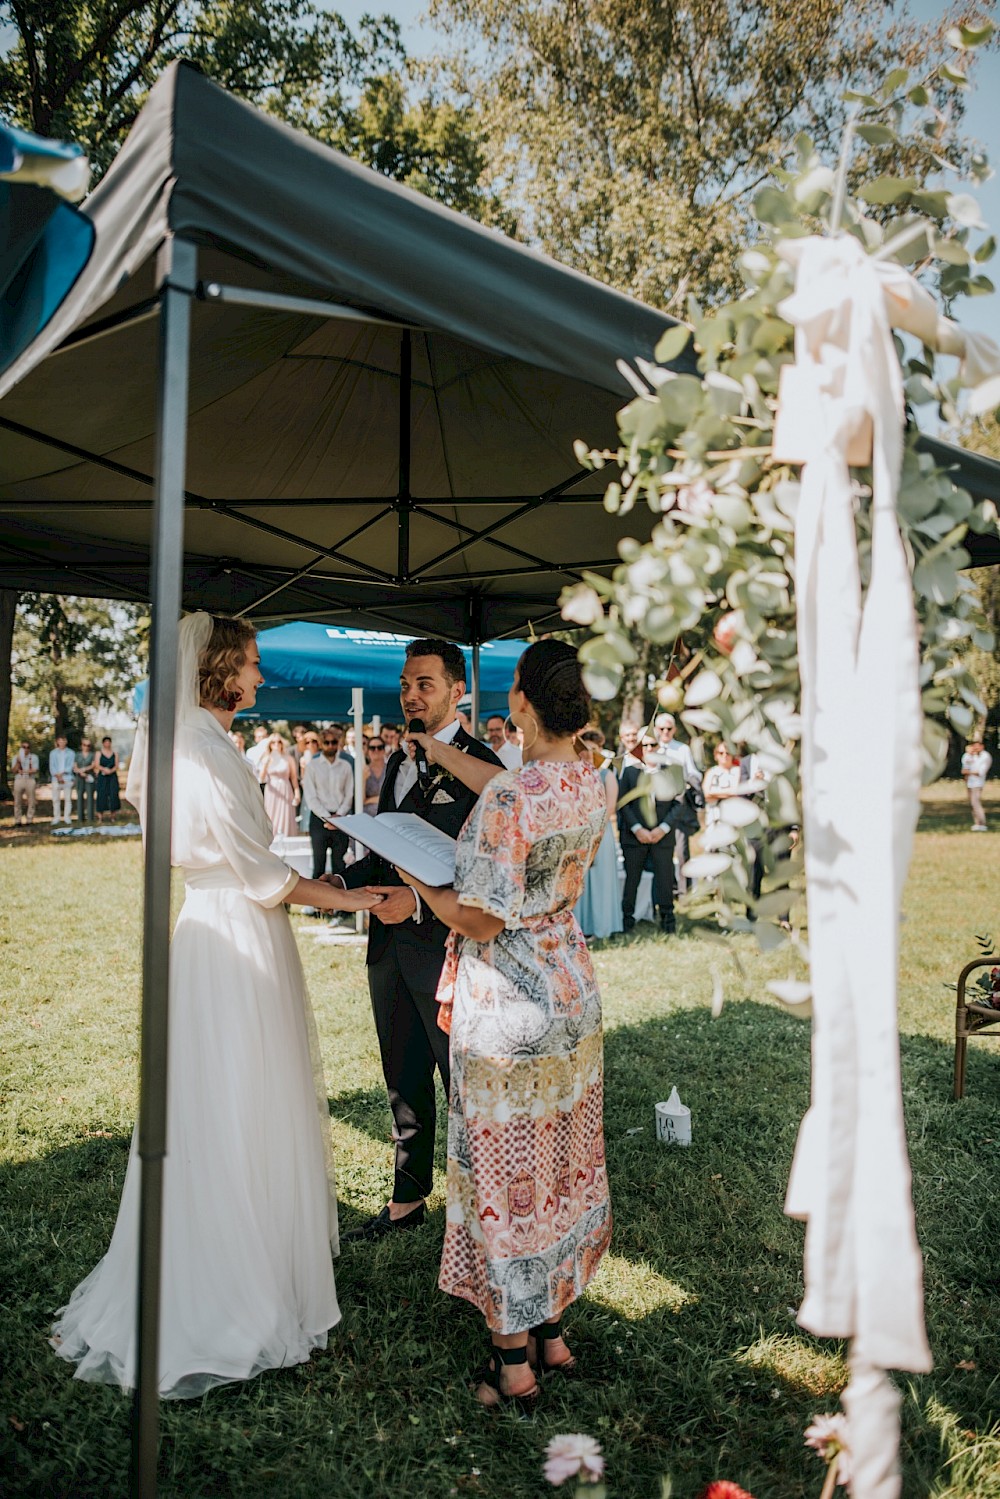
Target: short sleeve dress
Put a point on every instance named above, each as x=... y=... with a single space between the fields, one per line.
x=529 y=1216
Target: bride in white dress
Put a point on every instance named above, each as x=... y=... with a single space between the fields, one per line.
x=249 y=1210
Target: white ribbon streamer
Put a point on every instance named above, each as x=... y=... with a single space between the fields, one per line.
x=859 y=662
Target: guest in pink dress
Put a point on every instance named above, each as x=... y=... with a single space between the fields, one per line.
x=280 y=780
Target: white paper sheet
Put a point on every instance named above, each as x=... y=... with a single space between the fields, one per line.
x=408 y=842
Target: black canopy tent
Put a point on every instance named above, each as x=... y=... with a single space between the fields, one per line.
x=286 y=387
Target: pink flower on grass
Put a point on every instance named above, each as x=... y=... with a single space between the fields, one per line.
x=565 y=1457
x=829 y=1437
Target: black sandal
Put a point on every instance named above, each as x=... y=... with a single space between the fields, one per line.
x=489 y=1374
x=546 y=1333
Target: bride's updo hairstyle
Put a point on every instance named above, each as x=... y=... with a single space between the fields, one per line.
x=549 y=676
x=222 y=660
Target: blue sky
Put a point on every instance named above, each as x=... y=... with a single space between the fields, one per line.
x=982 y=119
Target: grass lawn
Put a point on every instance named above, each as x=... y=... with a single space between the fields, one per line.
x=694 y=1366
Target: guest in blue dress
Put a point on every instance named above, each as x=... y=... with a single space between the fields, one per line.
x=599 y=909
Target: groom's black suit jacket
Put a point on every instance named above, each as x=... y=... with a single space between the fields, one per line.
x=445 y=803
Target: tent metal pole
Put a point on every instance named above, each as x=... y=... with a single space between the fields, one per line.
x=358 y=714
x=176 y=274
x=475 y=688
x=475 y=635
x=404 y=500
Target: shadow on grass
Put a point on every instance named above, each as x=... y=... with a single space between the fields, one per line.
x=692 y=1361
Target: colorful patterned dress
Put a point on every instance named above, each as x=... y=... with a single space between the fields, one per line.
x=529 y=1216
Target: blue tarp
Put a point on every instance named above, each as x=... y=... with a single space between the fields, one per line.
x=309 y=671
x=44 y=242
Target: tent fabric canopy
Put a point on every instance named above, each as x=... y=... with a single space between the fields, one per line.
x=401 y=459
x=309 y=671
x=335 y=462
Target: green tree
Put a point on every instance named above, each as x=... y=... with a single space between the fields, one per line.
x=632 y=134
x=80 y=70
x=70 y=657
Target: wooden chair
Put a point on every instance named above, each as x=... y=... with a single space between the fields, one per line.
x=971 y=1018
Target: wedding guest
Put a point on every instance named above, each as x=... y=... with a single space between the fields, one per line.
x=465 y=721
x=647 y=836
x=721 y=780
x=513 y=738
x=670 y=750
x=329 y=783
x=280 y=780
x=25 y=769
x=406 y=942
x=309 y=751
x=508 y=753
x=375 y=775
x=297 y=747
x=529 y=1216
x=249 y=1210
x=345 y=754
x=106 y=766
x=390 y=736
x=599 y=909
x=61 y=763
x=85 y=772
x=976 y=765
x=261 y=734
x=240 y=741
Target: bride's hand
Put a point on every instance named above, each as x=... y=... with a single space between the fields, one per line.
x=358 y=900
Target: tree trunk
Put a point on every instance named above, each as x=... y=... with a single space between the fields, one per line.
x=8 y=612
x=636 y=685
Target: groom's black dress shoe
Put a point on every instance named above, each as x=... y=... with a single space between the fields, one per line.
x=381 y=1226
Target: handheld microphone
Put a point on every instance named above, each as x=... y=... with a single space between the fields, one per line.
x=416 y=726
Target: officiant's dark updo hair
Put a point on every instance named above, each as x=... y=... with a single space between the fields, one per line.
x=549 y=676
x=222 y=660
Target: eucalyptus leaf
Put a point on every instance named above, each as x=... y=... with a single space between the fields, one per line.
x=964 y=209
x=888 y=189
x=985 y=251
x=876 y=135
x=707 y=866
x=672 y=344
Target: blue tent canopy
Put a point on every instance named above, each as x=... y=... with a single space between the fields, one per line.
x=309 y=671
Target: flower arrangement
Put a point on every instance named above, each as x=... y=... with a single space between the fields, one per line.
x=700 y=452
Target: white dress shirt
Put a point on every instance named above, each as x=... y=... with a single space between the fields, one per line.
x=407 y=774
x=680 y=754
x=509 y=755
x=329 y=787
x=256 y=754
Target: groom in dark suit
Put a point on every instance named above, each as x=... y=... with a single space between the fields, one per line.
x=406 y=942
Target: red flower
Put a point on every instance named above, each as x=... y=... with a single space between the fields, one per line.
x=723 y=1489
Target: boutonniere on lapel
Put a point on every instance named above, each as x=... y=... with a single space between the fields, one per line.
x=441 y=787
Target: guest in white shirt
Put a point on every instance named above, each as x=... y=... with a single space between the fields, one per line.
x=261 y=735
x=328 y=782
x=721 y=781
x=25 y=768
x=61 y=763
x=976 y=765
x=507 y=751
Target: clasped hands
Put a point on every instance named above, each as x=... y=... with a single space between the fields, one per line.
x=649 y=835
x=391 y=904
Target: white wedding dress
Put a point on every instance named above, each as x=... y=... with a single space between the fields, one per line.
x=249 y=1213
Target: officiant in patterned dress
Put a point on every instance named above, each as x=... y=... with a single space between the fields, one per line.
x=529 y=1216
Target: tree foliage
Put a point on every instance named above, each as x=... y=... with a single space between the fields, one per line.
x=72 y=657
x=697 y=450
x=633 y=134
x=80 y=70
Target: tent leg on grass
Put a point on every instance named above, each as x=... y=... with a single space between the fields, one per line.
x=176 y=273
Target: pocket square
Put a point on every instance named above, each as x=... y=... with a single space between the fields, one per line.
x=440 y=797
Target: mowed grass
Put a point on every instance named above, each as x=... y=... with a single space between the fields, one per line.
x=693 y=1363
